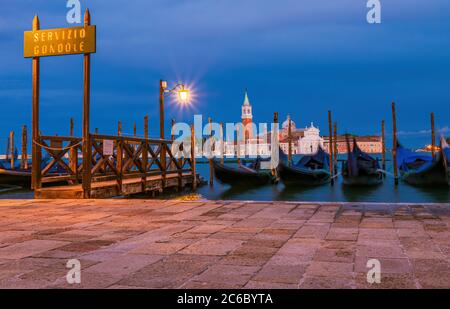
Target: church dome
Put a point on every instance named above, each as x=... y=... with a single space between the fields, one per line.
x=285 y=124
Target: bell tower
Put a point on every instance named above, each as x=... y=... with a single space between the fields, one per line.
x=247 y=117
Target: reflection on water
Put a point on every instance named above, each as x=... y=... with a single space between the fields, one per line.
x=385 y=192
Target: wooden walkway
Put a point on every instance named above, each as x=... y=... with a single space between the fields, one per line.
x=113 y=166
x=108 y=189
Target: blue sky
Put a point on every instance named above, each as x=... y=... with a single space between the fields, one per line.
x=301 y=57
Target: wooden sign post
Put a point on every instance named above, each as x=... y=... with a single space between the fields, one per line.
x=57 y=42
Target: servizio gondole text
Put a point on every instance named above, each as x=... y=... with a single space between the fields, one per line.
x=63 y=41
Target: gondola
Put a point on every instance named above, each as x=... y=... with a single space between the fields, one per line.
x=360 y=169
x=310 y=170
x=446 y=154
x=22 y=177
x=242 y=174
x=422 y=170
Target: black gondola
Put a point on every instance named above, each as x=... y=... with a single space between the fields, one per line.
x=360 y=169
x=243 y=174
x=423 y=170
x=310 y=170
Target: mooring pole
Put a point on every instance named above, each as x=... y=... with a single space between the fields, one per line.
x=336 y=151
x=145 y=154
x=289 y=140
x=274 y=138
x=11 y=148
x=394 y=146
x=222 y=144
x=24 y=157
x=331 y=146
x=86 y=118
x=71 y=127
x=162 y=85
x=383 y=147
x=134 y=130
x=73 y=156
x=7 y=149
x=193 y=163
x=211 y=153
x=238 y=144
x=36 y=149
x=433 y=137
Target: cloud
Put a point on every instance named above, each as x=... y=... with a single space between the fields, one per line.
x=442 y=130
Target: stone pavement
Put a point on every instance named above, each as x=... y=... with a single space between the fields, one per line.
x=222 y=244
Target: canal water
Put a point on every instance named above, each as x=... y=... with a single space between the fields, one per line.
x=386 y=192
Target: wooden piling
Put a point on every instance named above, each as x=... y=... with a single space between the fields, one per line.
x=193 y=162
x=331 y=146
x=238 y=144
x=211 y=153
x=87 y=150
x=289 y=140
x=383 y=147
x=134 y=130
x=145 y=154
x=335 y=148
x=11 y=148
x=222 y=144
x=24 y=157
x=172 y=138
x=36 y=149
x=73 y=155
x=8 y=143
x=394 y=146
x=119 y=128
x=275 y=124
x=433 y=137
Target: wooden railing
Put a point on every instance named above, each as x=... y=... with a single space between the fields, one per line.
x=125 y=158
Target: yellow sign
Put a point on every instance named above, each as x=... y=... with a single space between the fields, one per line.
x=57 y=42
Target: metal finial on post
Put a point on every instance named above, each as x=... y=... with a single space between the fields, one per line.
x=87 y=17
x=36 y=23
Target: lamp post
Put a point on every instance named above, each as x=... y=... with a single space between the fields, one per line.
x=183 y=97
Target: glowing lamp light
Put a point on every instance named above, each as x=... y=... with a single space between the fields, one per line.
x=183 y=95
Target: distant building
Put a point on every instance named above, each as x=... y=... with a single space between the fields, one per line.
x=247 y=117
x=304 y=141
x=369 y=143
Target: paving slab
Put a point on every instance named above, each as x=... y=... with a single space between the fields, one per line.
x=127 y=244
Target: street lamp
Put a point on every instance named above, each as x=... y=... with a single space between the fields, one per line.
x=182 y=93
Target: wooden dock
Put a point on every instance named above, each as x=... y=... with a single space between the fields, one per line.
x=108 y=189
x=117 y=166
